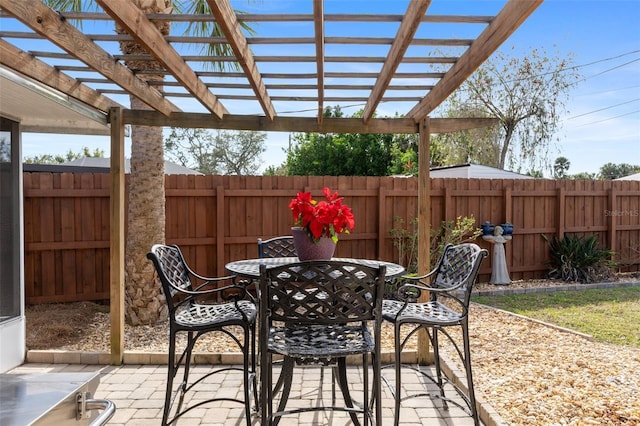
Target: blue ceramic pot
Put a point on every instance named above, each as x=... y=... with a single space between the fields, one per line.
x=507 y=228
x=487 y=228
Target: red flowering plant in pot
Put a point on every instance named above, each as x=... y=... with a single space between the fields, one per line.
x=319 y=222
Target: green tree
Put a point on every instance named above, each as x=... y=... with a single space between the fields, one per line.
x=527 y=95
x=561 y=167
x=535 y=173
x=272 y=170
x=144 y=301
x=612 y=171
x=240 y=152
x=583 y=175
x=339 y=154
x=69 y=156
x=219 y=152
x=477 y=146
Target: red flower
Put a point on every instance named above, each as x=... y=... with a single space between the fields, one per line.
x=325 y=218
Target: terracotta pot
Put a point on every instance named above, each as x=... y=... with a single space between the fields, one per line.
x=307 y=249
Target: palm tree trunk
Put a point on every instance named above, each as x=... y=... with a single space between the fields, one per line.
x=144 y=301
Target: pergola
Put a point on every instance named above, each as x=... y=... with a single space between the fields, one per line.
x=402 y=58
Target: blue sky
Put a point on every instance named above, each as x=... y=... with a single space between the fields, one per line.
x=602 y=123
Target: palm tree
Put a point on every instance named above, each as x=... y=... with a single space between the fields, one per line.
x=144 y=301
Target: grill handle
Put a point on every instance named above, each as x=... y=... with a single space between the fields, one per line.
x=85 y=405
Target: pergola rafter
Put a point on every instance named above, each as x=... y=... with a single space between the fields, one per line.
x=347 y=68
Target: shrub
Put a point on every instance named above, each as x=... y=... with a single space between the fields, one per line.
x=462 y=230
x=405 y=239
x=578 y=258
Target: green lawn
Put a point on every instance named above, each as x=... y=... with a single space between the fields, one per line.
x=609 y=315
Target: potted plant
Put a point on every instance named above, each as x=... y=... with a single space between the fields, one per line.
x=507 y=228
x=487 y=228
x=318 y=223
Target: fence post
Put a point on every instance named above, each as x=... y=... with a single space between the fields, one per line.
x=611 y=220
x=220 y=236
x=560 y=218
x=508 y=205
x=449 y=213
x=382 y=214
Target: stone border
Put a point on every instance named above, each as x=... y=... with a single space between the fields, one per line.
x=505 y=290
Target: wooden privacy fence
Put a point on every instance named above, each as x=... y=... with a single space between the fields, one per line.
x=217 y=219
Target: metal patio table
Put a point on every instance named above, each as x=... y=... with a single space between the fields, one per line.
x=250 y=269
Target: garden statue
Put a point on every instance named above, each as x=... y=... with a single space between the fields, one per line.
x=499 y=272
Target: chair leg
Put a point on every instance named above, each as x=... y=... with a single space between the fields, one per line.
x=436 y=359
x=265 y=388
x=344 y=387
x=398 y=365
x=254 y=369
x=171 y=371
x=285 y=380
x=280 y=381
x=467 y=367
x=246 y=374
x=365 y=391
x=377 y=389
x=187 y=361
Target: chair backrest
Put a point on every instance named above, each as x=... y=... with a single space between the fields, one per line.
x=458 y=268
x=171 y=269
x=322 y=292
x=276 y=247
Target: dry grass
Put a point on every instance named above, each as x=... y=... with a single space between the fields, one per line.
x=52 y=326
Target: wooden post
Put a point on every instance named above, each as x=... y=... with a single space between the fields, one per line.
x=220 y=234
x=382 y=214
x=612 y=220
x=424 y=226
x=116 y=252
x=560 y=212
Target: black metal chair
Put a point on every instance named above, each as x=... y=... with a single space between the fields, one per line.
x=199 y=305
x=276 y=247
x=448 y=306
x=317 y=312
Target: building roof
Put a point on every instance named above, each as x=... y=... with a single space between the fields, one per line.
x=101 y=165
x=475 y=171
x=102 y=162
x=635 y=176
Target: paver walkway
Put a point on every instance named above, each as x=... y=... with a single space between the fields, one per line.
x=138 y=392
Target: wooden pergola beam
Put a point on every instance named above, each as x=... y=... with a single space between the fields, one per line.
x=301 y=124
x=505 y=23
x=131 y=18
x=228 y=22
x=46 y=22
x=24 y=63
x=318 y=23
x=404 y=36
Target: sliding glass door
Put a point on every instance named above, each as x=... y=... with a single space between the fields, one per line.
x=12 y=323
